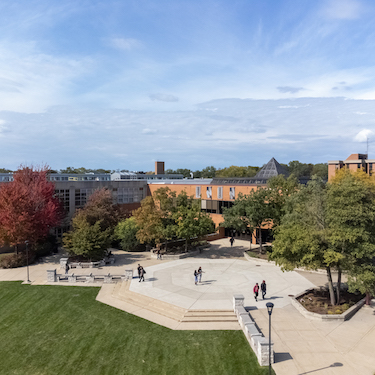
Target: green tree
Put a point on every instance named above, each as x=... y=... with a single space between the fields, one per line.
x=235 y=171
x=149 y=222
x=279 y=189
x=190 y=221
x=332 y=227
x=249 y=211
x=320 y=170
x=208 y=172
x=97 y=219
x=86 y=239
x=302 y=238
x=126 y=232
x=351 y=214
x=300 y=169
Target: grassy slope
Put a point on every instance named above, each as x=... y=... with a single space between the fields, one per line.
x=63 y=330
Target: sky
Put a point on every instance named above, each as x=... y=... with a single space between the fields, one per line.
x=121 y=84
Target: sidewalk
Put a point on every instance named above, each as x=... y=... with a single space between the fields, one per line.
x=301 y=346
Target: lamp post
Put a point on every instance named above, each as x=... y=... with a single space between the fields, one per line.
x=27 y=260
x=269 y=309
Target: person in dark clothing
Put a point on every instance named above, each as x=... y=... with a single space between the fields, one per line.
x=263 y=288
x=256 y=292
x=196 y=277
x=139 y=270
x=142 y=274
x=66 y=268
x=231 y=241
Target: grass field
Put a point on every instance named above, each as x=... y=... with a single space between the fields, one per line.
x=63 y=330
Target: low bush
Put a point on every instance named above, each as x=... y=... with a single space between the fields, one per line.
x=13 y=260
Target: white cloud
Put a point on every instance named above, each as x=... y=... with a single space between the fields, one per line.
x=363 y=135
x=306 y=129
x=125 y=44
x=31 y=81
x=343 y=9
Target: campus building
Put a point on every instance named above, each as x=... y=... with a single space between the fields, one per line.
x=217 y=193
x=130 y=188
x=353 y=163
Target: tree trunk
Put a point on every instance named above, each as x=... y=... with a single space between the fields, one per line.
x=186 y=245
x=338 y=288
x=330 y=286
x=260 y=241
x=368 y=298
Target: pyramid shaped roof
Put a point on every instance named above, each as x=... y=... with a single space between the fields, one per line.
x=271 y=169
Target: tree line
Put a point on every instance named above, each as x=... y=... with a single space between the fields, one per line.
x=294 y=167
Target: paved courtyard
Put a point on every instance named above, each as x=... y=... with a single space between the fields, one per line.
x=173 y=282
x=301 y=346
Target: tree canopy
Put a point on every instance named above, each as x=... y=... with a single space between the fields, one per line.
x=166 y=216
x=332 y=227
x=93 y=226
x=28 y=208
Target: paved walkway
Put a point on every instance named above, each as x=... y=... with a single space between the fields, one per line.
x=302 y=346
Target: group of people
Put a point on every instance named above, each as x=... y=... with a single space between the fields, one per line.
x=198 y=275
x=263 y=288
x=141 y=273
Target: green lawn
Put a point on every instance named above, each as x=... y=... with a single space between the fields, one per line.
x=63 y=330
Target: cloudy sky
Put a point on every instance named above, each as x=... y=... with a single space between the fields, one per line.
x=122 y=83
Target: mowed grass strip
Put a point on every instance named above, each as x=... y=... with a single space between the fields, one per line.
x=63 y=330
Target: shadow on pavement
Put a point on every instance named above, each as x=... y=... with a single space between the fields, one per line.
x=221 y=252
x=281 y=357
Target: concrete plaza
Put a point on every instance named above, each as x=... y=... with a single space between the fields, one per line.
x=302 y=346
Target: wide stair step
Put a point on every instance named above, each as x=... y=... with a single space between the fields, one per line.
x=122 y=292
x=195 y=316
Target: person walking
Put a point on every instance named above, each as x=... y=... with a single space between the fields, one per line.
x=256 y=291
x=196 y=277
x=142 y=274
x=200 y=274
x=66 y=268
x=231 y=241
x=263 y=288
x=158 y=254
x=139 y=271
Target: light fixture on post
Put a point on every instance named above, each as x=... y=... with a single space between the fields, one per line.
x=27 y=261
x=269 y=309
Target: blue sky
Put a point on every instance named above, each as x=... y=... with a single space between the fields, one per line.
x=120 y=84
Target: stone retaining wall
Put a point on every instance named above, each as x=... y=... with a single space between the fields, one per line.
x=254 y=336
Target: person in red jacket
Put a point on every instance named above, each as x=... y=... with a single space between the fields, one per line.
x=256 y=291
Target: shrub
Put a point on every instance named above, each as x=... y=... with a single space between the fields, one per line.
x=46 y=247
x=13 y=260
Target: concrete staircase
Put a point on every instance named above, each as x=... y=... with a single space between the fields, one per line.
x=171 y=316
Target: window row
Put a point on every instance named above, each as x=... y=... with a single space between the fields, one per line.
x=198 y=192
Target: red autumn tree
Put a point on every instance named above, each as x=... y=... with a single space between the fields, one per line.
x=28 y=208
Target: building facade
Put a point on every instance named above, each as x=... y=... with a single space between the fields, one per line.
x=353 y=163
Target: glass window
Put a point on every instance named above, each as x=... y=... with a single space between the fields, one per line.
x=232 y=193
x=220 y=192
x=197 y=192
x=209 y=192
